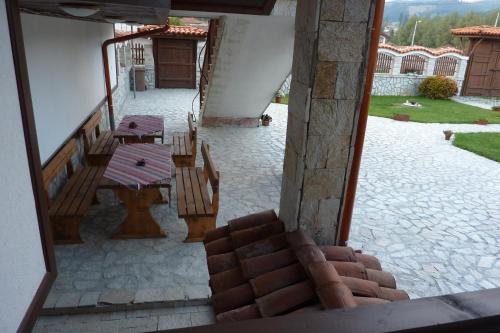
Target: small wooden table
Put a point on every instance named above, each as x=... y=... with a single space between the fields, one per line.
x=149 y=128
x=142 y=189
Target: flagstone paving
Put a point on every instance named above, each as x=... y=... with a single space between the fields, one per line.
x=428 y=210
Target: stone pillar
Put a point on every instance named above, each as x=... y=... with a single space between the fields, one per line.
x=328 y=76
x=429 y=68
x=396 y=69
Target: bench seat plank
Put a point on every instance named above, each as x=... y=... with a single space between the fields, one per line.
x=77 y=194
x=102 y=149
x=192 y=193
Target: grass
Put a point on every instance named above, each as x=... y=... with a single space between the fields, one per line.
x=433 y=111
x=484 y=144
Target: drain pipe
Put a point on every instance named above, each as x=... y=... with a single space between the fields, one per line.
x=105 y=61
x=345 y=224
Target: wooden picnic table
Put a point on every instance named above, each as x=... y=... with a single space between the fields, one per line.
x=149 y=128
x=137 y=189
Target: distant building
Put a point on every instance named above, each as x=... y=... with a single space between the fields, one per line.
x=482 y=77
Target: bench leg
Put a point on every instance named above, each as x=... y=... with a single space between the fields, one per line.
x=197 y=227
x=66 y=230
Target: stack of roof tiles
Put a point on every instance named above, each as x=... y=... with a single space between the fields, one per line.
x=259 y=270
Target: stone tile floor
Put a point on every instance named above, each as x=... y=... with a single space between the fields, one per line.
x=428 y=210
x=250 y=162
x=127 y=321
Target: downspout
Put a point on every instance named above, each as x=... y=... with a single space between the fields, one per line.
x=352 y=184
x=105 y=61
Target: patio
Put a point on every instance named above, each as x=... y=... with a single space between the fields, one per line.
x=168 y=270
x=424 y=207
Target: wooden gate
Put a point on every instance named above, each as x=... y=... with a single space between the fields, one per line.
x=175 y=63
x=483 y=76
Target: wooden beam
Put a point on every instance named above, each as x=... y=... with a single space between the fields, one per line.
x=32 y=151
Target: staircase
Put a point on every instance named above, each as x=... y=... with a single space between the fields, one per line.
x=246 y=61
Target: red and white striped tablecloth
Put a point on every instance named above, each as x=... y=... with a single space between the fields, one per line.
x=145 y=124
x=123 y=167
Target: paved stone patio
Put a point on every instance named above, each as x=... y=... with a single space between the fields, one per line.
x=428 y=210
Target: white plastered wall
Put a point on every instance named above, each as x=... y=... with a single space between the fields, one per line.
x=21 y=256
x=66 y=74
x=254 y=58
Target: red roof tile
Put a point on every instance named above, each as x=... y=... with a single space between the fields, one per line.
x=173 y=31
x=477 y=31
x=259 y=270
x=406 y=49
x=178 y=31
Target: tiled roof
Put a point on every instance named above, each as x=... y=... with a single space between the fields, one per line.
x=259 y=270
x=174 y=31
x=407 y=49
x=178 y=30
x=479 y=31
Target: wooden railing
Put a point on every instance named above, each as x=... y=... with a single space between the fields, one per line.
x=138 y=54
x=446 y=66
x=413 y=63
x=207 y=60
x=384 y=63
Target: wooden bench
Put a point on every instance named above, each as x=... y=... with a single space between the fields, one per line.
x=73 y=200
x=100 y=151
x=193 y=200
x=184 y=145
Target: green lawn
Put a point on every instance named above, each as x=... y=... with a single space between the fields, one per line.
x=433 y=111
x=484 y=144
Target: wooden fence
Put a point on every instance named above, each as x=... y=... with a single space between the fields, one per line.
x=413 y=63
x=384 y=63
x=445 y=66
x=138 y=54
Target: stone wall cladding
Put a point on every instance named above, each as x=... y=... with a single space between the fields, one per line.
x=399 y=85
x=328 y=74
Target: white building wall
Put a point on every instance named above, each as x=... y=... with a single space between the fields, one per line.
x=253 y=60
x=66 y=74
x=21 y=256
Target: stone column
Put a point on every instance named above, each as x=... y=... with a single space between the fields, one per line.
x=396 y=70
x=429 y=69
x=328 y=75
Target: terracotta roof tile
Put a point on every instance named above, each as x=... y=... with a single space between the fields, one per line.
x=178 y=30
x=477 y=31
x=406 y=49
x=173 y=31
x=259 y=270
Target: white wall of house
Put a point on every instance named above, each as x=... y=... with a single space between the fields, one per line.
x=21 y=256
x=66 y=74
x=253 y=60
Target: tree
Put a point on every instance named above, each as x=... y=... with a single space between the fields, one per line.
x=435 y=31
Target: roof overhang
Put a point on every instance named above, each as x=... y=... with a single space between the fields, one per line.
x=148 y=11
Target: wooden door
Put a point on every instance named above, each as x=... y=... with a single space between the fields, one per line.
x=175 y=63
x=483 y=77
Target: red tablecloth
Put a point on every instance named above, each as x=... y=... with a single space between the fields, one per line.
x=123 y=167
x=145 y=124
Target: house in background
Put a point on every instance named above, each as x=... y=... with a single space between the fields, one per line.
x=171 y=59
x=482 y=77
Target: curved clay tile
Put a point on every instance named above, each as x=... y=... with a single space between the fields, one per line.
x=478 y=31
x=246 y=312
x=432 y=51
x=256 y=266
